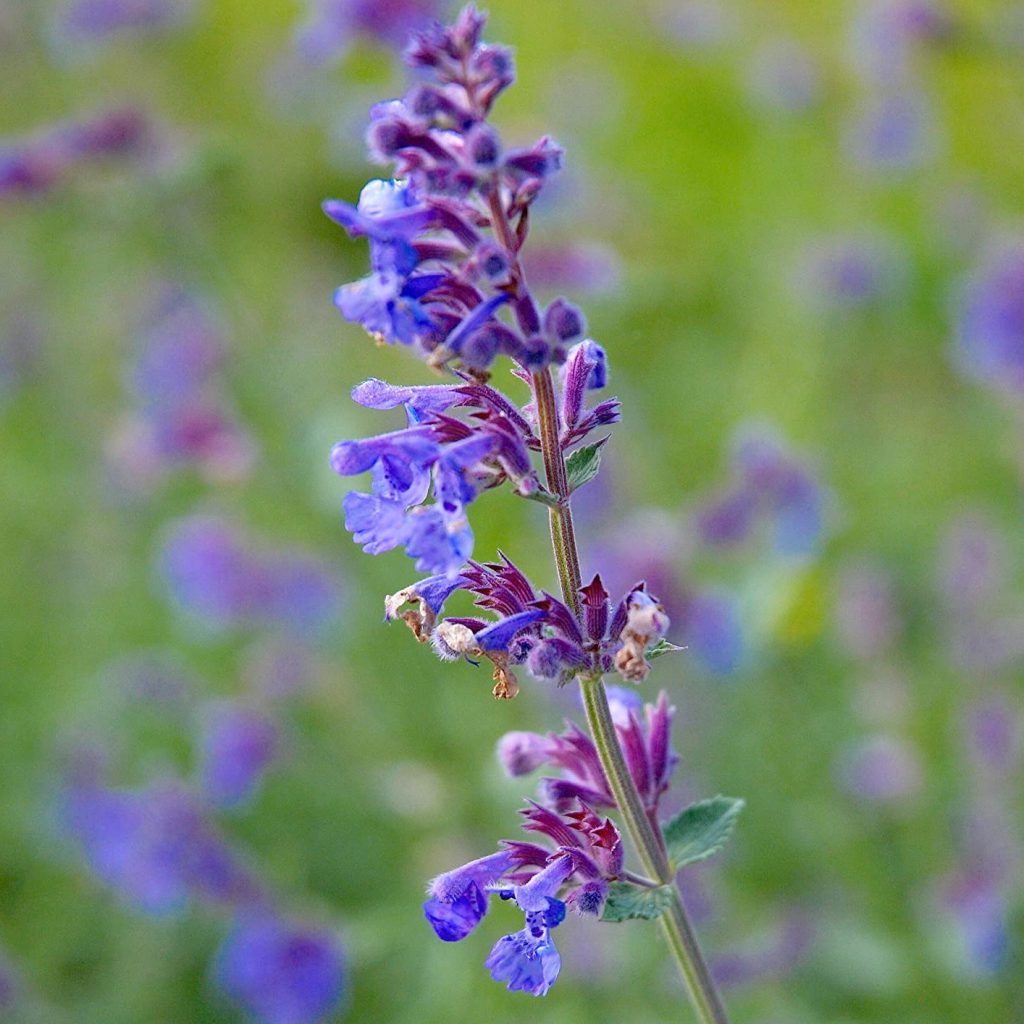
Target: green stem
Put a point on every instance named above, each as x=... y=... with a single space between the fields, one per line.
x=643 y=831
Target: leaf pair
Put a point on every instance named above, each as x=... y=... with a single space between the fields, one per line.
x=693 y=835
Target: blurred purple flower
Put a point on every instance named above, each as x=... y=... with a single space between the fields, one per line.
x=218 y=573
x=206 y=565
x=867 y=616
x=727 y=519
x=783 y=76
x=36 y=163
x=885 y=34
x=154 y=845
x=238 y=745
x=333 y=26
x=768 y=485
x=710 y=626
x=182 y=417
x=892 y=131
x=276 y=667
x=279 y=972
x=982 y=912
x=994 y=734
x=774 y=956
x=848 y=271
x=567 y=267
x=694 y=25
x=182 y=348
x=989 y=332
x=972 y=562
x=9 y=985
x=96 y=19
x=880 y=769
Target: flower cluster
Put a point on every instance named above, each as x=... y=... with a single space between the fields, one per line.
x=584 y=852
x=453 y=460
x=445 y=234
x=38 y=163
x=535 y=630
x=445 y=238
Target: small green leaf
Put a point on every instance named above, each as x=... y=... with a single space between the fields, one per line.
x=542 y=496
x=663 y=647
x=626 y=901
x=582 y=465
x=701 y=830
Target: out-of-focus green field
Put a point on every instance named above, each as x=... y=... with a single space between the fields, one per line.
x=709 y=198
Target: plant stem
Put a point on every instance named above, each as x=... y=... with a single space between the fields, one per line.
x=642 y=830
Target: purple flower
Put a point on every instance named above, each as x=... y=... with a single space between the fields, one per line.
x=885 y=33
x=36 y=164
x=446 y=280
x=982 y=911
x=645 y=738
x=99 y=18
x=280 y=972
x=892 y=132
x=994 y=734
x=711 y=627
x=526 y=960
x=458 y=902
x=218 y=573
x=591 y=268
x=238 y=745
x=9 y=985
x=867 y=615
x=788 y=495
x=208 y=570
x=332 y=26
x=439 y=453
x=154 y=845
x=972 y=562
x=881 y=768
x=774 y=957
x=847 y=272
x=990 y=320
x=182 y=416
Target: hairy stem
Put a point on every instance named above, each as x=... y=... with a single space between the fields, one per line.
x=642 y=830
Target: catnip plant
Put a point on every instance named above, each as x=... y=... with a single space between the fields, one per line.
x=445 y=235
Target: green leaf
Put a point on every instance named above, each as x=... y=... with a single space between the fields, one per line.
x=626 y=901
x=663 y=647
x=701 y=830
x=582 y=465
x=542 y=496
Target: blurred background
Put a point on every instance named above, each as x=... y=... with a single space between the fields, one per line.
x=796 y=229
